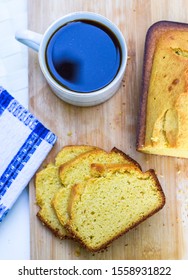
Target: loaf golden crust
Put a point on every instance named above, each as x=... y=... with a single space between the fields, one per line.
x=163 y=120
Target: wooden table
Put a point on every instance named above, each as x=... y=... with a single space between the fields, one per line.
x=114 y=123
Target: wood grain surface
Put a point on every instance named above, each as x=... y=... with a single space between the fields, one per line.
x=114 y=123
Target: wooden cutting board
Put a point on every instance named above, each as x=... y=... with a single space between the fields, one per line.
x=114 y=123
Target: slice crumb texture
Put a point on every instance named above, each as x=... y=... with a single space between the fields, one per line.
x=104 y=208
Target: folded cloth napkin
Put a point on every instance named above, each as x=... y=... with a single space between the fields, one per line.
x=24 y=144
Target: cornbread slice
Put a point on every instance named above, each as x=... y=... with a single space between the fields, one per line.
x=79 y=170
x=61 y=199
x=47 y=183
x=163 y=121
x=60 y=204
x=70 y=152
x=103 y=208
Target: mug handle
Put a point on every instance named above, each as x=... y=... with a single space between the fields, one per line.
x=29 y=38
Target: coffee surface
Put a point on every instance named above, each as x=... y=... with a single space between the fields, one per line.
x=83 y=56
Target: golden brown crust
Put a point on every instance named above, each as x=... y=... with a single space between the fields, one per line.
x=73 y=193
x=98 y=169
x=54 y=231
x=127 y=157
x=152 y=36
x=153 y=174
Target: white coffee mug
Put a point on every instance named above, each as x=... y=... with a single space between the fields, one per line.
x=39 y=43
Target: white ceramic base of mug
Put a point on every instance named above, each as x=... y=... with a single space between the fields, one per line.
x=85 y=99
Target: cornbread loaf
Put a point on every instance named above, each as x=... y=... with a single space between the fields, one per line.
x=79 y=170
x=163 y=121
x=47 y=183
x=103 y=208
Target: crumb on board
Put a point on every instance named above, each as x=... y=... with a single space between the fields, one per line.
x=77 y=251
x=154 y=139
x=69 y=133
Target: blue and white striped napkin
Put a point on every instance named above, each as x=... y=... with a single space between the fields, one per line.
x=24 y=144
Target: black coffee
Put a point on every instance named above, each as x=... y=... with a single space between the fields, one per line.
x=83 y=56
